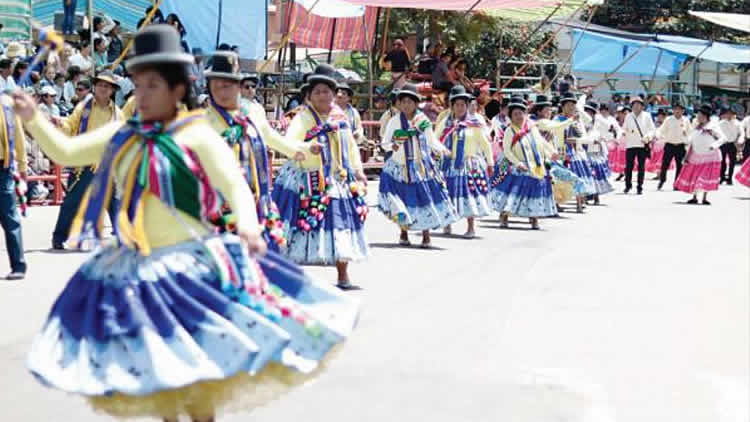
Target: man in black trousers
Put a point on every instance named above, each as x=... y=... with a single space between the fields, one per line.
x=674 y=131
x=639 y=130
x=732 y=130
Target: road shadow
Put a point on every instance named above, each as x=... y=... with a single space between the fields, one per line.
x=51 y=251
x=685 y=203
x=747 y=198
x=455 y=236
x=414 y=246
x=512 y=228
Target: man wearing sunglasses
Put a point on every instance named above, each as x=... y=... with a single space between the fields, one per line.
x=92 y=112
x=248 y=86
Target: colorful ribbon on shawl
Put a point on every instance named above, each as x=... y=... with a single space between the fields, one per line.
x=518 y=137
x=457 y=147
x=161 y=167
x=244 y=138
x=405 y=136
x=83 y=126
x=9 y=156
x=335 y=148
x=352 y=117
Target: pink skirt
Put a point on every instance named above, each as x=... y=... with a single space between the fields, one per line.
x=653 y=164
x=743 y=176
x=617 y=157
x=700 y=172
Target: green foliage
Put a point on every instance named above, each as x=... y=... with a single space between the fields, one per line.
x=671 y=17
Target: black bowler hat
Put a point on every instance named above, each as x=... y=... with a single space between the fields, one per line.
x=225 y=65
x=156 y=44
x=568 y=97
x=343 y=86
x=409 y=90
x=324 y=73
x=725 y=109
x=458 y=92
x=706 y=109
x=542 y=101
x=517 y=102
x=591 y=106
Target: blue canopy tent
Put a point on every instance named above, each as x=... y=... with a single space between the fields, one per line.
x=212 y=22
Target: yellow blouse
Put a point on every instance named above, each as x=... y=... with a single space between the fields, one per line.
x=477 y=142
x=162 y=226
x=100 y=116
x=523 y=153
x=302 y=123
x=272 y=138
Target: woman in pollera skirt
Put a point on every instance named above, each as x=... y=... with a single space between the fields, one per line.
x=412 y=192
x=617 y=148
x=597 y=151
x=702 y=168
x=172 y=319
x=470 y=162
x=743 y=176
x=653 y=164
x=525 y=189
x=322 y=198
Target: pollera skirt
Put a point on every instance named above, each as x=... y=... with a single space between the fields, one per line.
x=701 y=171
x=522 y=195
x=326 y=227
x=468 y=186
x=420 y=204
x=192 y=328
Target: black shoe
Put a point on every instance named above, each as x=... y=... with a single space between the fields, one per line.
x=640 y=191
x=626 y=191
x=693 y=201
x=619 y=177
x=705 y=202
x=58 y=246
x=16 y=275
x=661 y=185
x=346 y=286
x=729 y=182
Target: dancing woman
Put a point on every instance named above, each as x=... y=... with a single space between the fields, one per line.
x=170 y=319
x=322 y=198
x=412 y=191
x=470 y=162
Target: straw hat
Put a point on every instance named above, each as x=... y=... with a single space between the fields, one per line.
x=15 y=49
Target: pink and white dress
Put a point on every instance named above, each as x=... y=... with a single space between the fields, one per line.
x=702 y=167
x=743 y=176
x=653 y=164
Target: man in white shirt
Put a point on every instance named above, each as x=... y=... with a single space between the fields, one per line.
x=83 y=58
x=674 y=131
x=732 y=131
x=6 y=79
x=639 y=130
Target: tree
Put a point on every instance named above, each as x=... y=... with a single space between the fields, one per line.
x=671 y=17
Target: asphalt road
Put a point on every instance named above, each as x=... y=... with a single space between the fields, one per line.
x=636 y=311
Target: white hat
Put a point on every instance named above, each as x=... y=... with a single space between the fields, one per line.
x=48 y=90
x=15 y=49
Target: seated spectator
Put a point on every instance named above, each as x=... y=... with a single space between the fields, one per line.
x=83 y=59
x=114 y=50
x=100 y=53
x=544 y=87
x=429 y=61
x=174 y=20
x=69 y=90
x=398 y=62
x=441 y=77
x=19 y=70
x=6 y=79
x=48 y=105
x=49 y=76
x=59 y=87
x=460 y=75
x=158 y=17
x=83 y=90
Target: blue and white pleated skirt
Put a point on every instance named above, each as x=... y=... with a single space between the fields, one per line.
x=600 y=172
x=563 y=175
x=190 y=329
x=420 y=205
x=522 y=195
x=579 y=164
x=339 y=237
x=468 y=186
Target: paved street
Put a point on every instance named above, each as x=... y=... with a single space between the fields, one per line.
x=636 y=311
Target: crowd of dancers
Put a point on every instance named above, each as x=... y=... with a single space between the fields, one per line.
x=198 y=298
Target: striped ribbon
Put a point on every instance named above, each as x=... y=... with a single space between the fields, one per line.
x=453 y=129
x=161 y=167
